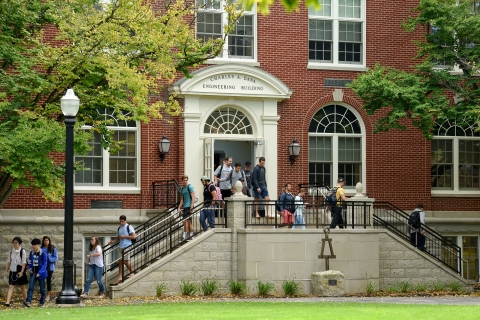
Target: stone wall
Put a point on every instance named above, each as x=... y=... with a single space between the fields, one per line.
x=285 y=254
x=208 y=256
x=399 y=261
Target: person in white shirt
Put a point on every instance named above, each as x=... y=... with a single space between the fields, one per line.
x=16 y=269
x=95 y=267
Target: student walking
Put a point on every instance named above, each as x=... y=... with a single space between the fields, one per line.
x=95 y=268
x=37 y=266
x=52 y=256
x=16 y=269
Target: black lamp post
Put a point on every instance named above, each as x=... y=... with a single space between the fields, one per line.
x=164 y=147
x=294 y=151
x=70 y=104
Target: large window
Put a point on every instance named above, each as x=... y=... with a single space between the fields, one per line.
x=228 y=120
x=455 y=158
x=111 y=169
x=240 y=44
x=335 y=146
x=336 y=33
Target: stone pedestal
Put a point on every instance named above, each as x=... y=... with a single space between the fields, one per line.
x=328 y=283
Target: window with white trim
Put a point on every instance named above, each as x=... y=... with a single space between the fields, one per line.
x=228 y=120
x=336 y=33
x=335 y=146
x=455 y=158
x=108 y=169
x=241 y=43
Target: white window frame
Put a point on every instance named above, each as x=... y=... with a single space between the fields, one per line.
x=455 y=191
x=335 y=144
x=224 y=58
x=335 y=64
x=106 y=188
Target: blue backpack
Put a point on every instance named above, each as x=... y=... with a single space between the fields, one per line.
x=331 y=197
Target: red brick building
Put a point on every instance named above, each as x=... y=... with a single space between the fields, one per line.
x=282 y=77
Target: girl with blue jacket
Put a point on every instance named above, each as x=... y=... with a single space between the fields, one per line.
x=52 y=256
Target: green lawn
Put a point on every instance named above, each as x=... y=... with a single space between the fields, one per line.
x=250 y=310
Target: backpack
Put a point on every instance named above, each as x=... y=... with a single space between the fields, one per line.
x=219 y=193
x=331 y=197
x=243 y=177
x=414 y=219
x=128 y=230
x=195 y=196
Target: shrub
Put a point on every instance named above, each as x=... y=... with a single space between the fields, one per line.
x=161 y=288
x=420 y=287
x=391 y=289
x=209 y=286
x=371 y=288
x=290 y=287
x=404 y=286
x=438 y=286
x=455 y=286
x=237 y=287
x=264 y=288
x=188 y=288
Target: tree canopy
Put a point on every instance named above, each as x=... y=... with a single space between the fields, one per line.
x=115 y=54
x=444 y=84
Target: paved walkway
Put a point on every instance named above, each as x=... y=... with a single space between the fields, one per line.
x=397 y=300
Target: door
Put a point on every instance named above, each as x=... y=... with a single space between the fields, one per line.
x=208 y=157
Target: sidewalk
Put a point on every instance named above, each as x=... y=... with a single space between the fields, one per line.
x=445 y=300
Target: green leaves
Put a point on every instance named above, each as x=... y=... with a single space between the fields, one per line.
x=444 y=84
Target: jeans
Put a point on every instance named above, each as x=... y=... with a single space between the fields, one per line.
x=208 y=214
x=93 y=269
x=31 y=286
x=299 y=220
x=337 y=218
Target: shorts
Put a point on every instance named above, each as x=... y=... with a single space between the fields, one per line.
x=186 y=213
x=262 y=194
x=13 y=278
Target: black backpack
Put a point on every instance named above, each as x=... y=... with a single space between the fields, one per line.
x=414 y=219
x=128 y=230
x=331 y=197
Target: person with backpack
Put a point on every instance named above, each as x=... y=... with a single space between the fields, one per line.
x=417 y=233
x=221 y=177
x=248 y=177
x=16 y=269
x=235 y=175
x=286 y=204
x=209 y=203
x=125 y=236
x=37 y=266
x=187 y=200
x=259 y=182
x=336 y=203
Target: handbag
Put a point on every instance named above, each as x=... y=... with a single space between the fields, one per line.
x=246 y=191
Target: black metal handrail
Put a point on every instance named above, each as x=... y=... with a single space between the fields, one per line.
x=162 y=239
x=388 y=216
x=165 y=193
x=316 y=214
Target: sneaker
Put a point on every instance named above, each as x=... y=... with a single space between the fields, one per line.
x=41 y=305
x=101 y=296
x=26 y=304
x=84 y=296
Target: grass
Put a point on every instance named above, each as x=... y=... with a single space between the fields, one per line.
x=250 y=310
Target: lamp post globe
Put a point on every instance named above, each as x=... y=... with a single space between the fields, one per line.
x=70 y=104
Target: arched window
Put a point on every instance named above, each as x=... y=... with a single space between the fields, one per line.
x=106 y=169
x=228 y=120
x=455 y=157
x=335 y=146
